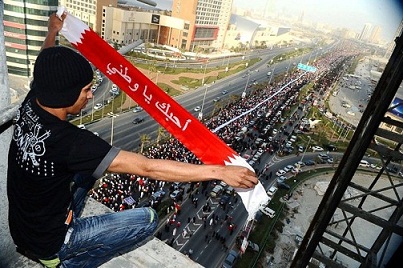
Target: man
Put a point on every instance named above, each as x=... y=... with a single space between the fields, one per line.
x=53 y=164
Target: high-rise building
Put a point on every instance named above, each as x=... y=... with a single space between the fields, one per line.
x=208 y=22
x=25 y=29
x=392 y=44
x=88 y=11
x=375 y=35
x=364 y=36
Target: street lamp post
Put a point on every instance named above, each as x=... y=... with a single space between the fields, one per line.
x=309 y=137
x=201 y=109
x=271 y=75
x=246 y=85
x=204 y=73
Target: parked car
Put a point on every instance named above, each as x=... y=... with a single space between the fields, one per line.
x=231 y=258
x=331 y=147
x=317 y=149
x=268 y=211
x=253 y=246
x=283 y=185
x=364 y=163
x=280 y=172
x=281 y=179
x=309 y=162
x=272 y=191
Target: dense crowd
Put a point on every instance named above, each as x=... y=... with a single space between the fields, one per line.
x=122 y=191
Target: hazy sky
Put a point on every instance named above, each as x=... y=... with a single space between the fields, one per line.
x=351 y=14
x=341 y=13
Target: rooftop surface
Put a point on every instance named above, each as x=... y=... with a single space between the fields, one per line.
x=153 y=253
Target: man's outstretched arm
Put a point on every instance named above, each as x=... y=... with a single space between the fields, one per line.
x=174 y=171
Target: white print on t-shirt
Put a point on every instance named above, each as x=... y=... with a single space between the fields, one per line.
x=31 y=143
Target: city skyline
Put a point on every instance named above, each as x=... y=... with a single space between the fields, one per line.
x=341 y=14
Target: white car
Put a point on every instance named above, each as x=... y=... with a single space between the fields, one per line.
x=98 y=106
x=268 y=211
x=137 y=109
x=317 y=149
x=197 y=108
x=351 y=113
x=280 y=172
x=272 y=191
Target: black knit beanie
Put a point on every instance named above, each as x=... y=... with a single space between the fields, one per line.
x=59 y=75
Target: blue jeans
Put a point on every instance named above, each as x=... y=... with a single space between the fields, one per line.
x=97 y=239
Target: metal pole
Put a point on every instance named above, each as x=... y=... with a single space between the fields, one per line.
x=7 y=247
x=201 y=110
x=246 y=85
x=309 y=137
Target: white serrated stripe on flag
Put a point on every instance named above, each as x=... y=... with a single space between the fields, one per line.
x=252 y=199
x=73 y=28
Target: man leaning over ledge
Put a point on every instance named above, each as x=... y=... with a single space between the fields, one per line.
x=53 y=164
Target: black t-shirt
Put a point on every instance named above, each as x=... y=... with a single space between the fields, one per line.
x=45 y=154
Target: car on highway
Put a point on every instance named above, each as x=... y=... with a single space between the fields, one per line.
x=176 y=195
x=231 y=258
x=224 y=92
x=317 y=149
x=158 y=195
x=197 y=108
x=217 y=190
x=138 y=120
x=216 y=99
x=137 y=109
x=98 y=106
x=224 y=200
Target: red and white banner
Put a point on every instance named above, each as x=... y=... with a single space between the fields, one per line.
x=209 y=148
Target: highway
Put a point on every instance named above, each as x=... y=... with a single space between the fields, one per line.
x=126 y=135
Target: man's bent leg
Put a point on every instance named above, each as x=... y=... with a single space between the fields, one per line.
x=96 y=240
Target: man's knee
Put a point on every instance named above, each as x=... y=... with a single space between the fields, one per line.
x=153 y=216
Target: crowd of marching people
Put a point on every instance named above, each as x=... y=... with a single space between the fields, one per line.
x=122 y=191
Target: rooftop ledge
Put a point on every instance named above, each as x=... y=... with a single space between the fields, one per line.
x=153 y=253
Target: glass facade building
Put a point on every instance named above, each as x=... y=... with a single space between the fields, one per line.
x=25 y=29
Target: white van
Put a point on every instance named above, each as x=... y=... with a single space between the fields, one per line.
x=364 y=163
x=268 y=211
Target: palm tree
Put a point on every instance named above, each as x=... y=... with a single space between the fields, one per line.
x=144 y=139
x=161 y=134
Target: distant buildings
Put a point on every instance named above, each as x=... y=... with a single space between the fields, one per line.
x=208 y=22
x=190 y=25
